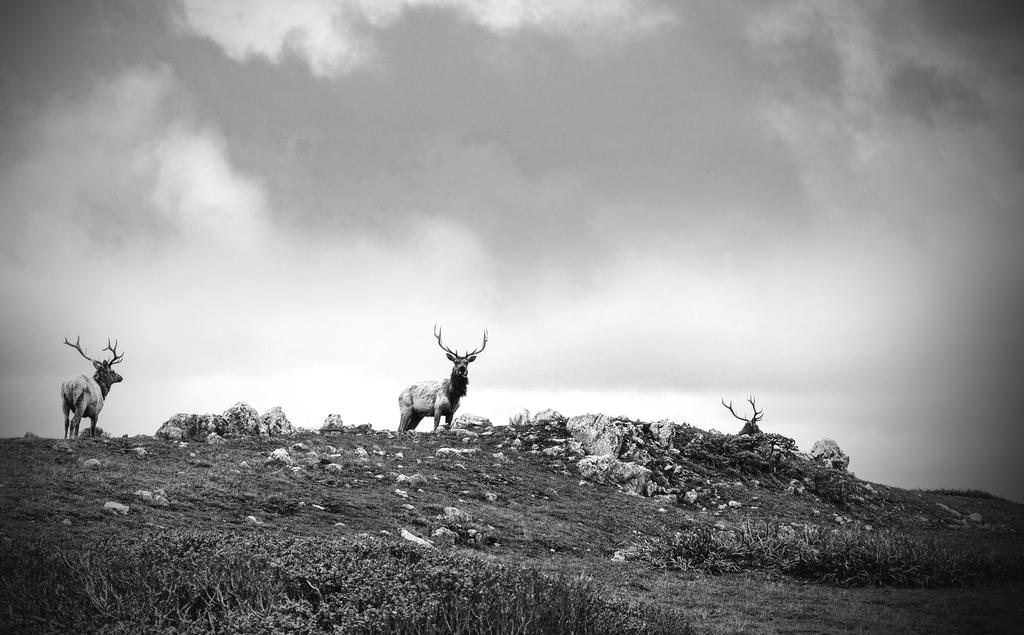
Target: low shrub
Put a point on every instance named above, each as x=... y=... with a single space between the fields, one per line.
x=176 y=581
x=835 y=556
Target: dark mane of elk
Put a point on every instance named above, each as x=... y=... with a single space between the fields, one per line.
x=438 y=398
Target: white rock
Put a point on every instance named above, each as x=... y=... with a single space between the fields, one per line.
x=252 y=520
x=411 y=537
x=279 y=456
x=115 y=508
x=139 y=451
x=975 y=517
x=402 y=493
x=455 y=452
x=92 y=464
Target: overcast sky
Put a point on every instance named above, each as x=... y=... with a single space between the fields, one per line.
x=651 y=205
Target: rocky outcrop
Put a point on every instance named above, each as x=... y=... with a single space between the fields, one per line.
x=333 y=423
x=471 y=422
x=240 y=419
x=598 y=434
x=828 y=453
x=606 y=468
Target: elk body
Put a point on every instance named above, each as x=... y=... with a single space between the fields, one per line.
x=83 y=396
x=437 y=398
x=749 y=425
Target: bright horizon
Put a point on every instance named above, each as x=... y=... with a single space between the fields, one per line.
x=650 y=205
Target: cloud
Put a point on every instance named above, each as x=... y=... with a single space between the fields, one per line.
x=336 y=37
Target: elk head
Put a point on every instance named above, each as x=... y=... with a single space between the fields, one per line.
x=105 y=375
x=460 y=370
x=750 y=425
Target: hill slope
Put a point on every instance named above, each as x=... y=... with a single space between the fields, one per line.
x=738 y=543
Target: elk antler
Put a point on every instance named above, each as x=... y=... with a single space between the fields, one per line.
x=482 y=347
x=729 y=406
x=758 y=414
x=78 y=347
x=437 y=334
x=113 y=350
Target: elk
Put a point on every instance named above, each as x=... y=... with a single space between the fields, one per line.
x=83 y=395
x=437 y=398
x=750 y=425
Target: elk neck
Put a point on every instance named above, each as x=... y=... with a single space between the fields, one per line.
x=103 y=384
x=457 y=385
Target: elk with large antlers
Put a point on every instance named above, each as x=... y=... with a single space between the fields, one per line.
x=83 y=396
x=437 y=398
x=750 y=425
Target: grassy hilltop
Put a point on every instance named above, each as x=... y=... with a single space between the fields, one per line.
x=131 y=534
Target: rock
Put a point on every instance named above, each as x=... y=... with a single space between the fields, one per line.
x=471 y=422
x=362 y=454
x=274 y=423
x=31 y=435
x=691 y=497
x=92 y=464
x=599 y=434
x=252 y=520
x=456 y=516
x=139 y=451
x=301 y=448
x=116 y=508
x=416 y=480
x=191 y=427
x=333 y=423
x=663 y=432
x=734 y=504
x=279 y=457
x=490 y=497
x=827 y=452
x=214 y=439
x=520 y=418
x=411 y=537
x=333 y=467
x=160 y=499
x=975 y=517
x=455 y=452
x=608 y=469
x=401 y=493
x=948 y=509
x=444 y=536
x=547 y=416
x=145 y=495
x=241 y=419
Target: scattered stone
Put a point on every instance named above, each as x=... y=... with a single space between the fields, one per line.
x=455 y=452
x=445 y=536
x=92 y=464
x=116 y=508
x=490 y=497
x=301 y=448
x=409 y=507
x=145 y=495
x=362 y=454
x=252 y=520
x=456 y=515
x=333 y=423
x=691 y=497
x=242 y=419
x=827 y=452
x=411 y=537
x=280 y=457
x=333 y=467
x=214 y=439
x=975 y=517
x=244 y=464
x=31 y=435
x=191 y=427
x=139 y=451
x=402 y=493
x=734 y=504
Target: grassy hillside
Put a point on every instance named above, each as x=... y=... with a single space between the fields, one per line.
x=225 y=537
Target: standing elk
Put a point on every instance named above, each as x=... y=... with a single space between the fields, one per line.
x=750 y=425
x=436 y=398
x=84 y=395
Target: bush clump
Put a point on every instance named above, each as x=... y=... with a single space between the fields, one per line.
x=840 y=557
x=175 y=581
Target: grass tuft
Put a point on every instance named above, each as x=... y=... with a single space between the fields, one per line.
x=835 y=556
